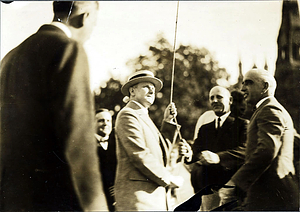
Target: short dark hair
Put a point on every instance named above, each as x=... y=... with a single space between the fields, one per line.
x=99 y=110
x=62 y=7
x=65 y=9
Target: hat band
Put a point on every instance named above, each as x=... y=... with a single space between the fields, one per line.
x=140 y=75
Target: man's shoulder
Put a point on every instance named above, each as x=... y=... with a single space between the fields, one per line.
x=236 y=123
x=209 y=125
x=272 y=107
x=242 y=120
x=125 y=113
x=126 y=110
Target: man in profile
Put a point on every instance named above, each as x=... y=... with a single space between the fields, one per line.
x=268 y=174
x=48 y=159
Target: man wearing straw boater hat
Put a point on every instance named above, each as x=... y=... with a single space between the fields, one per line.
x=142 y=178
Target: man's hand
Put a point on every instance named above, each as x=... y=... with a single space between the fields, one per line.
x=170 y=112
x=185 y=150
x=208 y=157
x=227 y=194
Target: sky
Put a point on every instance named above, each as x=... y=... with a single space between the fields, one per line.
x=230 y=30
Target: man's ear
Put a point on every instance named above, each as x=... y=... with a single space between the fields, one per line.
x=131 y=91
x=78 y=21
x=266 y=87
x=230 y=100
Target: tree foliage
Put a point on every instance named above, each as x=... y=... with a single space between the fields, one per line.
x=196 y=72
x=110 y=96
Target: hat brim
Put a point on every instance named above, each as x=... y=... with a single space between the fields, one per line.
x=155 y=81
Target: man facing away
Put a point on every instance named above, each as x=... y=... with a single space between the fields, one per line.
x=48 y=159
x=219 y=148
x=106 y=142
x=142 y=178
x=268 y=174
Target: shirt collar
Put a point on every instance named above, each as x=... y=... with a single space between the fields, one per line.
x=102 y=141
x=100 y=138
x=145 y=110
x=223 y=118
x=63 y=27
x=262 y=100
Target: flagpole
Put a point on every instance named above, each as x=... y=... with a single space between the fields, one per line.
x=174 y=54
x=173 y=70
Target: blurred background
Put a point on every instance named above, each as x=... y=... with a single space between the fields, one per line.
x=217 y=42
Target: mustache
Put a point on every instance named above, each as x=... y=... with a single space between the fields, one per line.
x=216 y=104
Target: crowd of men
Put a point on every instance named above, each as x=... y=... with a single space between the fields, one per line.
x=60 y=154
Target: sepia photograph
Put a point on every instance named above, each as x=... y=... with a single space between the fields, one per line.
x=150 y=105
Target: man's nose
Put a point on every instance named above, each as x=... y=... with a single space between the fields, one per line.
x=214 y=99
x=243 y=88
x=151 y=90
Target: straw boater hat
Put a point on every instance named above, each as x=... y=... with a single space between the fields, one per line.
x=141 y=76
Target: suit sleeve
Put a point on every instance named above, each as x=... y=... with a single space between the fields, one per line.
x=130 y=133
x=235 y=157
x=270 y=128
x=197 y=147
x=78 y=124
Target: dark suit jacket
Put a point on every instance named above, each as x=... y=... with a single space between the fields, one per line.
x=228 y=143
x=268 y=172
x=47 y=125
x=108 y=164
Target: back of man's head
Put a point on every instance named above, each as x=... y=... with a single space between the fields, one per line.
x=79 y=16
x=67 y=9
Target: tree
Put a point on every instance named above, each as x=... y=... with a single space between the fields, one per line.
x=110 y=97
x=196 y=72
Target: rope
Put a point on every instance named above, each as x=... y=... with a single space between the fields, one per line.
x=173 y=69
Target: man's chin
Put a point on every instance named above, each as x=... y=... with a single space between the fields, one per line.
x=101 y=133
x=219 y=112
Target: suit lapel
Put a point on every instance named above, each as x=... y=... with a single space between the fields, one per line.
x=227 y=123
x=147 y=120
x=162 y=142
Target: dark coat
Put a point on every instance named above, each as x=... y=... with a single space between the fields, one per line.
x=268 y=173
x=228 y=143
x=46 y=125
x=108 y=164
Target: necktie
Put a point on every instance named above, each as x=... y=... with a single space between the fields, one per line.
x=218 y=123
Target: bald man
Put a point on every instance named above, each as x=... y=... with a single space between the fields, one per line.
x=48 y=157
x=268 y=174
x=218 y=150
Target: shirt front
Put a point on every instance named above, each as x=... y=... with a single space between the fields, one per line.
x=223 y=118
x=102 y=141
